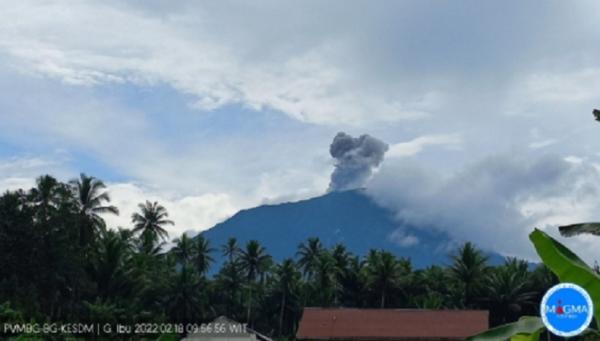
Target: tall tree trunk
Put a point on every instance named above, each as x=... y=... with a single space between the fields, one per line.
x=281 y=312
x=249 y=305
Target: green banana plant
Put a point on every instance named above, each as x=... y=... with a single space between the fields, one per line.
x=528 y=328
x=568 y=268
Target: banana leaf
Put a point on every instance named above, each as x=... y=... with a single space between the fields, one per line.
x=567 y=266
x=527 y=328
x=577 y=229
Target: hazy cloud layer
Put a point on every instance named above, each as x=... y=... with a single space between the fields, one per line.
x=415 y=146
x=496 y=201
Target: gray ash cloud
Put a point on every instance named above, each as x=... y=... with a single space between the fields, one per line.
x=356 y=158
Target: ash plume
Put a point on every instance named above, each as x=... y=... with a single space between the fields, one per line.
x=356 y=158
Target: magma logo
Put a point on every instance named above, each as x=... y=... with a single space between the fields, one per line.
x=566 y=309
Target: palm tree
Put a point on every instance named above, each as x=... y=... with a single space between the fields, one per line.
x=184 y=301
x=308 y=255
x=229 y=281
x=109 y=264
x=286 y=279
x=353 y=285
x=147 y=245
x=253 y=260
x=325 y=279
x=91 y=200
x=201 y=256
x=341 y=256
x=469 y=269
x=543 y=279
x=432 y=283
x=383 y=274
x=45 y=196
x=509 y=292
x=183 y=249
x=230 y=249
x=150 y=223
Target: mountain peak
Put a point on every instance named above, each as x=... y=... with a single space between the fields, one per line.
x=348 y=217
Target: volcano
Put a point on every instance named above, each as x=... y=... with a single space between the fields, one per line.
x=351 y=218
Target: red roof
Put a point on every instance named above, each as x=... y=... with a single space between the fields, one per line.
x=363 y=324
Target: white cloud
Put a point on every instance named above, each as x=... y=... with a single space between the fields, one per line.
x=13 y=184
x=20 y=172
x=542 y=144
x=33 y=166
x=116 y=44
x=190 y=213
x=497 y=201
x=570 y=86
x=415 y=146
x=403 y=239
x=574 y=159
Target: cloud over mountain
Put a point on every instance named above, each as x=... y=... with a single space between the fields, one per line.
x=495 y=201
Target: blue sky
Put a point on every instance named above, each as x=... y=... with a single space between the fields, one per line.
x=210 y=107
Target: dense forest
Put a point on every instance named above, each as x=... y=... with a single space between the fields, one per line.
x=60 y=262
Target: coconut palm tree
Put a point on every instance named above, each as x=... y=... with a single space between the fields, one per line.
x=184 y=300
x=325 y=282
x=92 y=201
x=201 y=254
x=253 y=260
x=383 y=274
x=286 y=282
x=342 y=259
x=469 y=269
x=230 y=249
x=509 y=292
x=150 y=222
x=183 y=249
x=229 y=280
x=308 y=255
x=434 y=288
x=44 y=197
x=352 y=283
x=109 y=264
x=341 y=256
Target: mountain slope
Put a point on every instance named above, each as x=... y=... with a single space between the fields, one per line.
x=349 y=217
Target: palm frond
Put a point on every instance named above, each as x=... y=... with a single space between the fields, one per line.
x=106 y=209
x=577 y=229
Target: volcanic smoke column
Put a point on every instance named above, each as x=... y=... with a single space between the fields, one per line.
x=356 y=158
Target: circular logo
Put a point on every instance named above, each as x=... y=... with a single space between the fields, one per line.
x=566 y=309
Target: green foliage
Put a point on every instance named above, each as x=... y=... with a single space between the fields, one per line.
x=567 y=266
x=510 y=291
x=150 y=222
x=526 y=328
x=10 y=315
x=469 y=268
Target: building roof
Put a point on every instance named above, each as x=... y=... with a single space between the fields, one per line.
x=362 y=324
